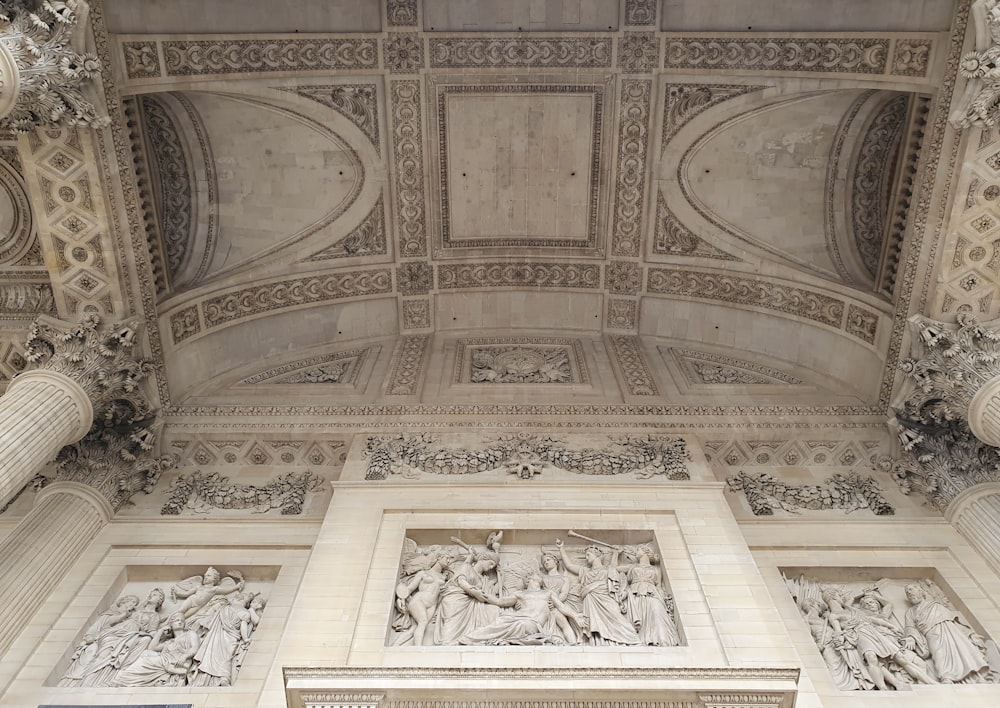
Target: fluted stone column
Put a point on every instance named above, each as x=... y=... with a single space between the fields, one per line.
x=976 y=515
x=41 y=412
x=42 y=548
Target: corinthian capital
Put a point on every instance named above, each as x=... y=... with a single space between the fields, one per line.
x=117 y=460
x=951 y=368
x=41 y=72
x=102 y=359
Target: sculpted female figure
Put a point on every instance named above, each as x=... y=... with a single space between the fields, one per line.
x=463 y=605
x=417 y=599
x=167 y=660
x=935 y=631
x=97 y=649
x=606 y=623
x=645 y=602
x=230 y=628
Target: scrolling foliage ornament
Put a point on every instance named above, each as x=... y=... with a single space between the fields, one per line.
x=41 y=73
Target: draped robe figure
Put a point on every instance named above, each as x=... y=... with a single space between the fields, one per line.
x=462 y=607
x=939 y=633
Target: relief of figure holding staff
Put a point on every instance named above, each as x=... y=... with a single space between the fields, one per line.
x=602 y=591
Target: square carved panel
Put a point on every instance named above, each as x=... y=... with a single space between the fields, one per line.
x=519 y=165
x=520 y=360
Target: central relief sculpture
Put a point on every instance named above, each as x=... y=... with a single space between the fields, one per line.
x=577 y=590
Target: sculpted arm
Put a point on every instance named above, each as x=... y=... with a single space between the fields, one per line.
x=569 y=565
x=470 y=590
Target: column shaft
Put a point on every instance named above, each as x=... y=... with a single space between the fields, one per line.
x=41 y=412
x=978 y=520
x=40 y=551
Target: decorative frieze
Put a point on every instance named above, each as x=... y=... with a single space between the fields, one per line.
x=201 y=493
x=514 y=52
x=401 y=13
x=873 y=168
x=169 y=160
x=632 y=363
x=633 y=147
x=822 y=54
x=208 y=57
x=407 y=365
x=464 y=587
x=41 y=74
x=525 y=456
x=519 y=275
x=910 y=57
x=408 y=158
x=203 y=450
x=890 y=633
x=247 y=302
x=791 y=453
x=747 y=290
x=196 y=635
x=765 y=494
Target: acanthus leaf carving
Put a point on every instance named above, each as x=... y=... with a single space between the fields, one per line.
x=41 y=73
x=980 y=105
x=100 y=358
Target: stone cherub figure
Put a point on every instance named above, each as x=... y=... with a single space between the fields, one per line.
x=196 y=591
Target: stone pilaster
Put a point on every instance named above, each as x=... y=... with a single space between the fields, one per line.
x=41 y=72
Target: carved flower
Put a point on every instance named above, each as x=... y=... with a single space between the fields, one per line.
x=404 y=53
x=638 y=51
x=414 y=278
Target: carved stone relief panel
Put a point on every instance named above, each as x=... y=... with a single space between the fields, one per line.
x=532 y=588
x=520 y=360
x=336 y=368
x=171 y=626
x=702 y=368
x=890 y=633
x=525 y=456
x=765 y=494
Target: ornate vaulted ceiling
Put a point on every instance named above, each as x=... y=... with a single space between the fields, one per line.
x=569 y=203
